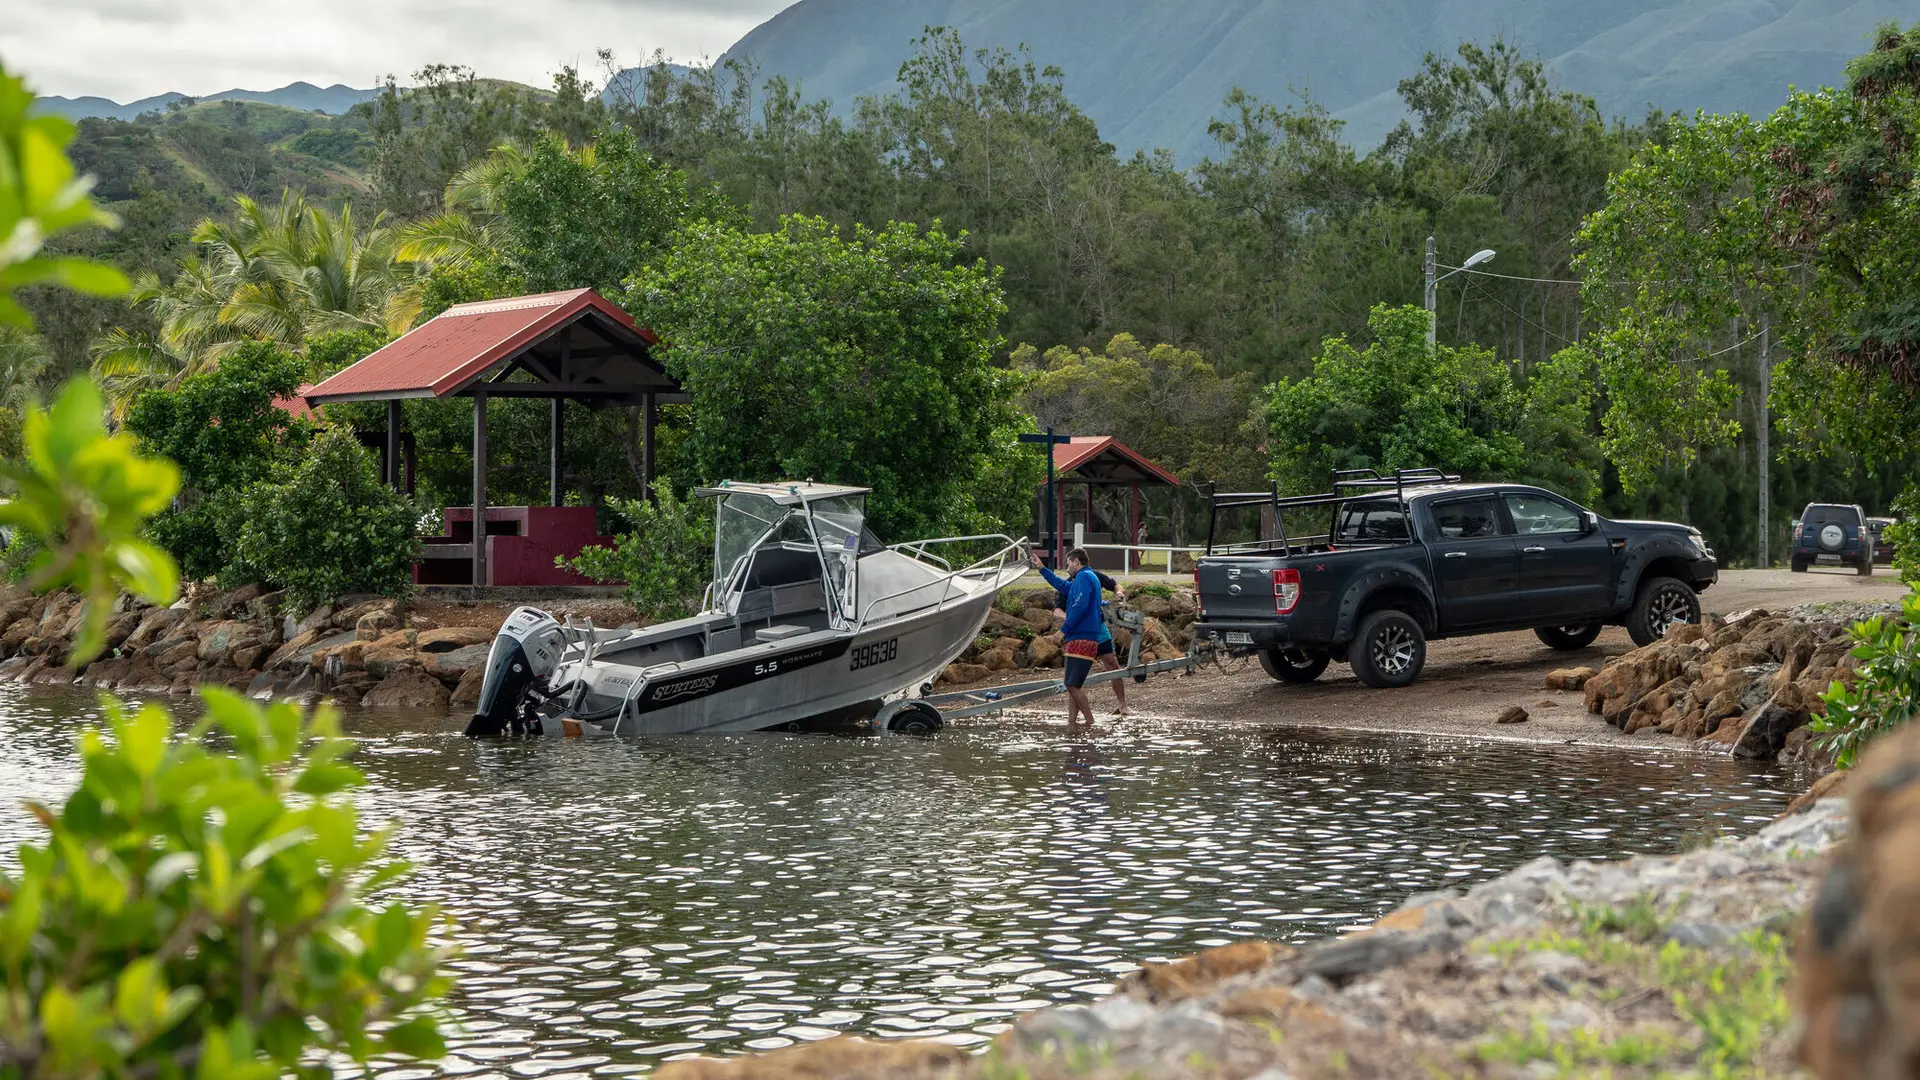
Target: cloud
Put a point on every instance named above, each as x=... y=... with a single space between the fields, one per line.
x=127 y=49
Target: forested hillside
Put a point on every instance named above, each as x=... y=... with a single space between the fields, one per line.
x=1160 y=303
x=1150 y=73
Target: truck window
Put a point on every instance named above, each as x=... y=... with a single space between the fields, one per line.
x=1368 y=522
x=1467 y=519
x=1537 y=514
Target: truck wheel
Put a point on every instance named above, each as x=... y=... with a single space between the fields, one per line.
x=1294 y=665
x=1661 y=602
x=1799 y=566
x=1568 y=638
x=1866 y=566
x=1389 y=649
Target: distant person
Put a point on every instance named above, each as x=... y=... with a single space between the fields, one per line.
x=1106 y=656
x=1082 y=628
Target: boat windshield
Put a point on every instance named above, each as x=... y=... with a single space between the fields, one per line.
x=744 y=519
x=840 y=524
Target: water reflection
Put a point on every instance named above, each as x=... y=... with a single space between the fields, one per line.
x=622 y=902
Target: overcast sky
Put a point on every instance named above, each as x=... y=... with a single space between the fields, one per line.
x=128 y=49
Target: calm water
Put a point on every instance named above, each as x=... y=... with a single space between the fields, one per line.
x=623 y=902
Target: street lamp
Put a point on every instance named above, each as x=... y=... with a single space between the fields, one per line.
x=1433 y=283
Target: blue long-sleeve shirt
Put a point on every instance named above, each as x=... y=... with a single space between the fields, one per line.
x=1083 y=604
x=1107 y=585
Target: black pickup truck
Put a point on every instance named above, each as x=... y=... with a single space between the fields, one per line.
x=1417 y=555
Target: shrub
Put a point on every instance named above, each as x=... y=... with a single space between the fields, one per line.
x=664 y=560
x=1905 y=534
x=1886 y=694
x=327 y=526
x=197 y=911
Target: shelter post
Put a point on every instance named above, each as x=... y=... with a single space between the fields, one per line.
x=649 y=415
x=392 y=464
x=1133 y=532
x=557 y=435
x=480 y=485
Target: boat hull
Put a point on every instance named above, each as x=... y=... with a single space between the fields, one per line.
x=782 y=684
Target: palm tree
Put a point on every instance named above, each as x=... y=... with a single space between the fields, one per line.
x=465 y=230
x=275 y=273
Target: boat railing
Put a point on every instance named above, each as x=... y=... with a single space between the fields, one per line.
x=1011 y=553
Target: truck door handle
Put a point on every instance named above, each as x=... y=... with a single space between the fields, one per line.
x=1534 y=550
x=1456 y=555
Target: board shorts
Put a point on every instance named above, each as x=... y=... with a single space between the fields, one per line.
x=1080 y=654
x=1105 y=649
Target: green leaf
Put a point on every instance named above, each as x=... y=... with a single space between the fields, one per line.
x=417 y=1038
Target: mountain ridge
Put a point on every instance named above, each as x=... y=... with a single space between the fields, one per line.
x=333 y=100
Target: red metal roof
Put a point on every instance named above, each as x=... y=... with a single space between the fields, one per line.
x=450 y=351
x=297 y=405
x=1085 y=449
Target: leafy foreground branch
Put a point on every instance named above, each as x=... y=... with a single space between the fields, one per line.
x=197 y=910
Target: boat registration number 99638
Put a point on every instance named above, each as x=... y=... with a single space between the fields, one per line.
x=866 y=656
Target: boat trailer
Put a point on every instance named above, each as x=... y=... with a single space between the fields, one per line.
x=929 y=712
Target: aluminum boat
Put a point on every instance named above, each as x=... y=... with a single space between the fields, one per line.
x=809 y=620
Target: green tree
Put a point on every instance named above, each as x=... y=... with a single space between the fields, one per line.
x=325 y=526
x=863 y=359
x=223 y=430
x=663 y=558
x=1399 y=404
x=591 y=217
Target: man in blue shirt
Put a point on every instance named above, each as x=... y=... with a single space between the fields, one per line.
x=1106 y=656
x=1082 y=629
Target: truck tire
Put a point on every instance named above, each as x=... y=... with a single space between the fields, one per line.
x=1294 y=665
x=1568 y=638
x=1866 y=566
x=1388 y=649
x=1660 y=603
x=1799 y=566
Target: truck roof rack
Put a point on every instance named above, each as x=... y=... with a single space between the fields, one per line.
x=1345 y=484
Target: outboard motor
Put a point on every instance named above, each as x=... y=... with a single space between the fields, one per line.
x=524 y=654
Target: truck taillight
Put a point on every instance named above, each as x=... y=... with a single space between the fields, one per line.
x=1286 y=590
x=1796 y=530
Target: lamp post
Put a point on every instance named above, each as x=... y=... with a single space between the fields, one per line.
x=1052 y=527
x=1433 y=283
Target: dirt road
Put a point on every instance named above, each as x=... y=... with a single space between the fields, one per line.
x=1469 y=681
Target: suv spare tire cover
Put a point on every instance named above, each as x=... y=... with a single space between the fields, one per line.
x=1831 y=535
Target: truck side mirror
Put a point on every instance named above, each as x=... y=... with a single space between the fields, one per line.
x=1589 y=522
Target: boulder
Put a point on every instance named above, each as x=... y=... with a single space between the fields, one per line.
x=1734 y=657
x=1573 y=678
x=407 y=690
x=454 y=666
x=1687 y=633
x=1009 y=643
x=289 y=649
x=1039 y=620
x=347 y=657
x=320 y=618
x=122 y=628
x=165 y=654
x=267 y=607
x=1155 y=606
x=225 y=605
x=1766 y=734
x=452 y=639
x=383 y=661
x=961 y=674
x=998 y=659
x=1614 y=691
x=467 y=694
x=1858 y=954
x=248 y=657
x=218 y=641
x=17 y=635
x=155 y=624
x=1512 y=714
x=999 y=622
x=376 y=624
x=1045 y=651
x=347 y=617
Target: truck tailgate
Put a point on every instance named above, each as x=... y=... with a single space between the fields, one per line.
x=1238 y=588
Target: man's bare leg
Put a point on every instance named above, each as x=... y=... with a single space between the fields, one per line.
x=1077 y=703
x=1111 y=662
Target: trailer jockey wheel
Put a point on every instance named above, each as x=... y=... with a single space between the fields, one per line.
x=915 y=718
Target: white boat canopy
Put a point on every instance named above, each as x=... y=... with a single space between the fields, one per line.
x=783 y=494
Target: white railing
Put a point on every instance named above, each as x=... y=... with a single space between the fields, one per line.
x=1012 y=552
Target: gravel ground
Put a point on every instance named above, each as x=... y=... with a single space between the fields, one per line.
x=1467 y=681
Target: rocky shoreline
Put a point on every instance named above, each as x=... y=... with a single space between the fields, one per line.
x=1023 y=632
x=1751 y=682
x=369 y=651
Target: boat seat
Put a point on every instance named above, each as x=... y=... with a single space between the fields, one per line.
x=779 y=633
x=780 y=601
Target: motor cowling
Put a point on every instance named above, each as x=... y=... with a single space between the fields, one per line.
x=524 y=654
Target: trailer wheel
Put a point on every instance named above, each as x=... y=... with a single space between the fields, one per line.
x=1294 y=665
x=1389 y=649
x=916 y=718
